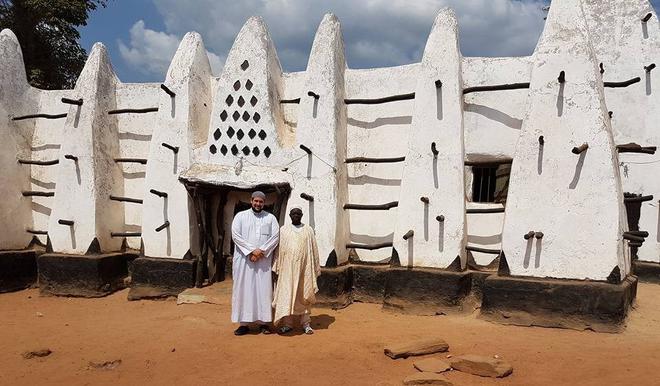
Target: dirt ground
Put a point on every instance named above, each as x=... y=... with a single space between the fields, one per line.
x=160 y=342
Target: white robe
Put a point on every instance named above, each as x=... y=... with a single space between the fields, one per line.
x=252 y=293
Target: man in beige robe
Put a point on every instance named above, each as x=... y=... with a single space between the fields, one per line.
x=297 y=267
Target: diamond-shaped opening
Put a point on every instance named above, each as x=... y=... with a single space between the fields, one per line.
x=240 y=134
x=236 y=115
x=262 y=135
x=229 y=100
x=267 y=152
x=255 y=151
x=213 y=149
x=253 y=100
x=256 y=117
x=216 y=134
x=252 y=133
x=230 y=132
x=246 y=150
x=223 y=115
x=246 y=116
x=237 y=85
x=234 y=150
x=245 y=65
x=241 y=101
x=223 y=150
x=249 y=84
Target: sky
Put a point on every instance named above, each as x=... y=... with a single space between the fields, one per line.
x=142 y=35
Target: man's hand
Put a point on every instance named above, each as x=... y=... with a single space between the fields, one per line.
x=258 y=253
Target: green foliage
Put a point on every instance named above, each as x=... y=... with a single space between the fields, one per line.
x=47 y=32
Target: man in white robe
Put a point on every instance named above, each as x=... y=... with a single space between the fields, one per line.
x=297 y=267
x=256 y=235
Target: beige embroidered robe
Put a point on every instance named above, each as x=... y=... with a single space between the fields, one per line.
x=297 y=267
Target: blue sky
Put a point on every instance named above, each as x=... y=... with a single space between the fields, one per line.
x=142 y=35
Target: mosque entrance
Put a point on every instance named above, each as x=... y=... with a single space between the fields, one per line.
x=214 y=207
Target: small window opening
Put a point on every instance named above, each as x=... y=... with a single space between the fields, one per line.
x=490 y=183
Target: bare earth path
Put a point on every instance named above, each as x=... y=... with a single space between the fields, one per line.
x=161 y=343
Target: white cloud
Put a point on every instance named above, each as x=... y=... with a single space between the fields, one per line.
x=150 y=52
x=376 y=32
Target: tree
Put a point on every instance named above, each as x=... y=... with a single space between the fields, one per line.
x=46 y=30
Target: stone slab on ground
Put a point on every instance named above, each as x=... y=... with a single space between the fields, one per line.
x=481 y=365
x=18 y=270
x=432 y=365
x=426 y=379
x=416 y=347
x=160 y=277
x=85 y=276
x=37 y=353
x=105 y=365
x=212 y=294
x=576 y=304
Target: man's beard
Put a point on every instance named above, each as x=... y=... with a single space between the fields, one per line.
x=257 y=210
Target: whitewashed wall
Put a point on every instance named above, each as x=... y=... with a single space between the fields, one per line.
x=377 y=131
x=84 y=185
x=45 y=145
x=182 y=122
x=17 y=98
x=493 y=119
x=135 y=134
x=437 y=119
x=321 y=126
x=625 y=45
x=574 y=200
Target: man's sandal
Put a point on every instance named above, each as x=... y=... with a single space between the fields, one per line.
x=264 y=329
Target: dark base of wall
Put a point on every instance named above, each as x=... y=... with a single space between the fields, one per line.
x=598 y=306
x=369 y=283
x=159 y=277
x=582 y=305
x=335 y=287
x=478 y=280
x=425 y=291
x=85 y=276
x=646 y=271
x=18 y=270
x=418 y=291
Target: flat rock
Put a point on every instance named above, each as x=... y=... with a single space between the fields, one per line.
x=184 y=298
x=416 y=347
x=432 y=365
x=481 y=365
x=213 y=294
x=37 y=353
x=426 y=379
x=107 y=365
x=138 y=292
